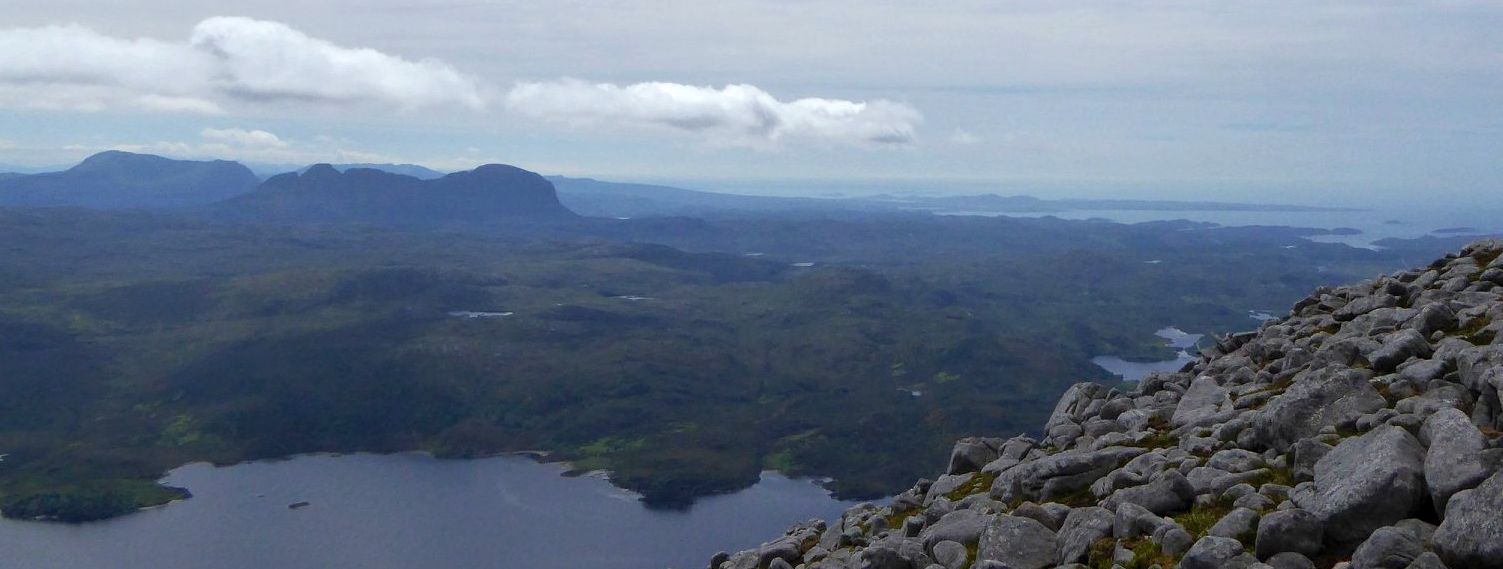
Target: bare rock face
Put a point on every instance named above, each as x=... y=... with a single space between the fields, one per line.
x=1328 y=397
x=1471 y=535
x=1018 y=543
x=1200 y=402
x=1293 y=530
x=1455 y=460
x=1328 y=434
x=1368 y=482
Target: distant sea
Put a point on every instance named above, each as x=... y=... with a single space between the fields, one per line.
x=1375 y=225
x=1378 y=219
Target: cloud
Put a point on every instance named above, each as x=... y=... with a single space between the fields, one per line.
x=249 y=145
x=736 y=115
x=225 y=61
x=245 y=138
x=260 y=60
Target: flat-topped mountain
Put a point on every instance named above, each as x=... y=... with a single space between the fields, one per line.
x=1362 y=430
x=490 y=194
x=123 y=180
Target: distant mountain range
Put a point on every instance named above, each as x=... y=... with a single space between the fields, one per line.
x=122 y=180
x=419 y=172
x=265 y=170
x=323 y=194
x=614 y=199
x=408 y=193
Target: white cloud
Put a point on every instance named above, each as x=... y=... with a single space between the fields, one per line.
x=262 y=60
x=736 y=115
x=225 y=61
x=258 y=139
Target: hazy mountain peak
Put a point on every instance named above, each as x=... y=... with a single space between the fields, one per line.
x=324 y=194
x=322 y=170
x=116 y=179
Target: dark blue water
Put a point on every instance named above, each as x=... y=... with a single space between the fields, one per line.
x=413 y=511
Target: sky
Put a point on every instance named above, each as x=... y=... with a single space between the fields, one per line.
x=1283 y=101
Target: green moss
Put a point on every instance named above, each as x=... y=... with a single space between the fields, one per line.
x=897 y=517
x=1198 y=520
x=1078 y=499
x=1477 y=332
x=1280 y=476
x=1160 y=439
x=1483 y=259
x=1101 y=552
x=979 y=482
x=1146 y=553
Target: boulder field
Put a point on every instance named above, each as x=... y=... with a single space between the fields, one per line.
x=1363 y=430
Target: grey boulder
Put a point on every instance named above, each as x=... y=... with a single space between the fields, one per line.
x=1387 y=548
x=1167 y=492
x=1292 y=530
x=1321 y=398
x=1081 y=529
x=1199 y=402
x=960 y=526
x=1399 y=347
x=1017 y=542
x=970 y=454
x=1213 y=552
x=1471 y=535
x=1290 y=560
x=951 y=555
x=1240 y=524
x=1368 y=482
x=1454 y=461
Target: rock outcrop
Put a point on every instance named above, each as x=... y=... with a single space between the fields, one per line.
x=1361 y=430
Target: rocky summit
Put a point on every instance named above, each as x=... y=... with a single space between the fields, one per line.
x=1362 y=430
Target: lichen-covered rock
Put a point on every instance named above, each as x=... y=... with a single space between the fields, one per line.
x=1398 y=348
x=1471 y=535
x=1454 y=461
x=1327 y=397
x=1081 y=529
x=1387 y=548
x=1368 y=482
x=1202 y=400
x=1213 y=552
x=1240 y=524
x=960 y=526
x=972 y=453
x=1059 y=474
x=1017 y=542
x=951 y=555
x=1293 y=530
x=1168 y=492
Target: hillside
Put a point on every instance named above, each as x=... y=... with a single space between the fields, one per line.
x=1361 y=430
x=144 y=341
x=488 y=195
x=122 y=180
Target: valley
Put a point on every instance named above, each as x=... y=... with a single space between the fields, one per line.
x=658 y=349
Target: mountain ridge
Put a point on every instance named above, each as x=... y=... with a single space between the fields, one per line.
x=123 y=180
x=323 y=194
